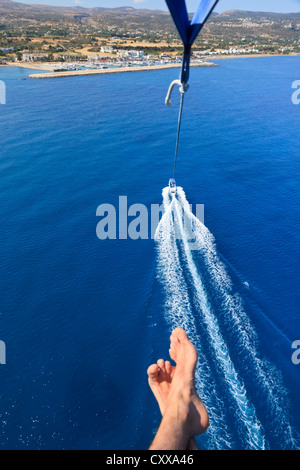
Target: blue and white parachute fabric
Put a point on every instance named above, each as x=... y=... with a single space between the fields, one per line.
x=189 y=30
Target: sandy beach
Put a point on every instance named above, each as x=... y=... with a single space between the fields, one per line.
x=31 y=65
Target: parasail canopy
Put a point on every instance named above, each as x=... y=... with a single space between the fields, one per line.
x=189 y=29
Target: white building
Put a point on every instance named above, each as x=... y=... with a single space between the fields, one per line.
x=32 y=57
x=134 y=54
x=107 y=49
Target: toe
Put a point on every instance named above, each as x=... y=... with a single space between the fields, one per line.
x=169 y=368
x=180 y=335
x=153 y=372
x=161 y=365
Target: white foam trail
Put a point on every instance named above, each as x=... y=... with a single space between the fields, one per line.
x=177 y=270
x=265 y=374
x=245 y=410
x=179 y=313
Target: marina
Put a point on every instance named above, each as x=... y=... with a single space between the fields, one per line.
x=71 y=72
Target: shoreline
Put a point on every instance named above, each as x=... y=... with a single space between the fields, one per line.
x=251 y=56
x=49 y=70
x=78 y=73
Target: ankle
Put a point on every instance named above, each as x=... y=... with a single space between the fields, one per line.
x=178 y=409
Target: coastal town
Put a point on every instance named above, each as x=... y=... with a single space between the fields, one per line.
x=109 y=57
x=73 y=39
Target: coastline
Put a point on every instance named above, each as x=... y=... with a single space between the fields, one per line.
x=252 y=56
x=49 y=69
x=77 y=73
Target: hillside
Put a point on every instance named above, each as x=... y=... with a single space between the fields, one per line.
x=91 y=28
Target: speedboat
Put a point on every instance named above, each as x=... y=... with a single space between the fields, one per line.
x=172 y=186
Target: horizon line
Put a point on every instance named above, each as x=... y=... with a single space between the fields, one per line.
x=28 y=2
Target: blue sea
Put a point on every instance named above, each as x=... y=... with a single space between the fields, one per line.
x=83 y=318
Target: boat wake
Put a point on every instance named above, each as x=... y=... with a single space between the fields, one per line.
x=235 y=383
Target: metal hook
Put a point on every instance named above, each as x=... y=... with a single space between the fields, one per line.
x=183 y=89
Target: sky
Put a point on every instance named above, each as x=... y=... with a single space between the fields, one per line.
x=280 y=6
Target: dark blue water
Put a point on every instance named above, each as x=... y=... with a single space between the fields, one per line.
x=82 y=318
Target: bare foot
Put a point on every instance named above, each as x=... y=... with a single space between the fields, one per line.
x=183 y=389
x=161 y=377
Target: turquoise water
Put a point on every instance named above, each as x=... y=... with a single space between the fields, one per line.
x=82 y=318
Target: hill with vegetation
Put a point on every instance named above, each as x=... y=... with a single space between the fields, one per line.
x=36 y=28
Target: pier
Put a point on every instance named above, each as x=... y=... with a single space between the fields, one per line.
x=76 y=73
